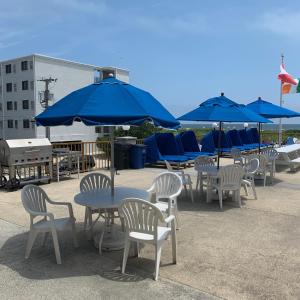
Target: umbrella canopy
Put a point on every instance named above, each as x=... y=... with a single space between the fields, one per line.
x=270 y=110
x=222 y=109
x=108 y=102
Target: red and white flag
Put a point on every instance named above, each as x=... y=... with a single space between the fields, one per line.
x=285 y=77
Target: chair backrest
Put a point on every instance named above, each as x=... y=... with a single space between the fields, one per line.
x=270 y=153
x=231 y=175
x=34 y=198
x=263 y=161
x=167 y=184
x=252 y=166
x=203 y=161
x=140 y=216
x=94 y=181
x=169 y=167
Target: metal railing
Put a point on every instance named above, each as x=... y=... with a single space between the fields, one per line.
x=94 y=155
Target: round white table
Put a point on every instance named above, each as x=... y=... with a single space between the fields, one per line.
x=110 y=238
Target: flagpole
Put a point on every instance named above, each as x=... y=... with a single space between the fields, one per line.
x=281 y=103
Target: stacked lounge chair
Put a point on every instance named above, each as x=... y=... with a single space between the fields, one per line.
x=161 y=147
x=236 y=141
x=188 y=145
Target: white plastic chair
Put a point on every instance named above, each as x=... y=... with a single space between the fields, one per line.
x=250 y=168
x=201 y=164
x=92 y=182
x=263 y=168
x=229 y=178
x=167 y=186
x=271 y=155
x=236 y=154
x=186 y=179
x=35 y=201
x=141 y=225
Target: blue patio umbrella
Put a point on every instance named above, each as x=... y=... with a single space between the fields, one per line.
x=221 y=109
x=270 y=110
x=109 y=102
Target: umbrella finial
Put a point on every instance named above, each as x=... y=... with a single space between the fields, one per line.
x=259 y=98
x=111 y=75
x=222 y=94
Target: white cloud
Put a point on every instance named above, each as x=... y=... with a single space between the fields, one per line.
x=281 y=22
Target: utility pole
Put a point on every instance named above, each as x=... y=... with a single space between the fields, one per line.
x=45 y=102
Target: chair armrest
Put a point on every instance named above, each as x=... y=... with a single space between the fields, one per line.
x=151 y=189
x=34 y=214
x=169 y=219
x=70 y=208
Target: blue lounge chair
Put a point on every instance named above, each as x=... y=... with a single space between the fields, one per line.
x=247 y=141
x=236 y=141
x=225 y=144
x=254 y=136
x=158 y=151
x=188 y=145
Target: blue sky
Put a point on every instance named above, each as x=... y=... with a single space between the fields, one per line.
x=183 y=52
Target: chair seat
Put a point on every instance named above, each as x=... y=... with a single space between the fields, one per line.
x=162 y=234
x=162 y=206
x=60 y=224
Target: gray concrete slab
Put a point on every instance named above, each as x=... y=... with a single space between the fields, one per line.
x=238 y=253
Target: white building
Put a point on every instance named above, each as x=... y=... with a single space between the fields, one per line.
x=21 y=94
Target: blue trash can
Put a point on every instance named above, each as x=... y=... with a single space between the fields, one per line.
x=137 y=156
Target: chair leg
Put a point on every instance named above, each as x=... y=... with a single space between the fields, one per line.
x=220 y=199
x=74 y=235
x=253 y=189
x=85 y=218
x=245 y=189
x=176 y=216
x=56 y=246
x=125 y=255
x=157 y=258
x=174 y=243
x=265 y=179
x=191 y=191
x=238 y=197
x=198 y=181
x=31 y=238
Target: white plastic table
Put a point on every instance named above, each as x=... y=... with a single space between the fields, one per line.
x=102 y=199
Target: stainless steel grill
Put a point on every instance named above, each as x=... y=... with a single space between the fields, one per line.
x=25 y=160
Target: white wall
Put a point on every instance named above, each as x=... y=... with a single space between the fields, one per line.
x=70 y=77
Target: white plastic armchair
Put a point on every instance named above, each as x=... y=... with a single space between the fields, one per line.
x=229 y=178
x=35 y=201
x=250 y=168
x=271 y=155
x=237 y=157
x=167 y=186
x=93 y=182
x=263 y=166
x=141 y=220
x=186 y=179
x=202 y=164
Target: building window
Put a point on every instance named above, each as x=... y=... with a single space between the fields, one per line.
x=25 y=85
x=16 y=124
x=0 y=89
x=25 y=104
x=9 y=87
x=8 y=69
x=26 y=123
x=15 y=105
x=9 y=105
x=1 y=124
x=24 y=65
x=15 y=87
x=0 y=106
x=32 y=85
x=10 y=123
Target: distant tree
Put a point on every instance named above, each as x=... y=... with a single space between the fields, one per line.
x=140 y=132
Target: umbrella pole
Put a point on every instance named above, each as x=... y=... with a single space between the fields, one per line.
x=112 y=159
x=219 y=144
x=259 y=137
